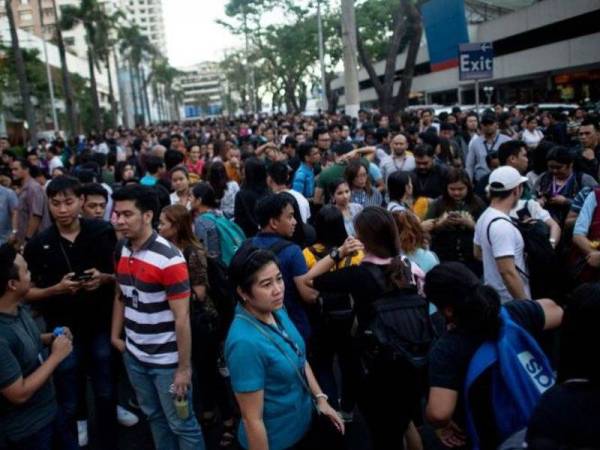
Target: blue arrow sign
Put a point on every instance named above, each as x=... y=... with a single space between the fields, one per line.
x=476 y=61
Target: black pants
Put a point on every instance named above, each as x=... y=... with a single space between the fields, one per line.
x=388 y=399
x=322 y=435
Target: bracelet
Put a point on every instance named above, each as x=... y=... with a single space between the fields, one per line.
x=321 y=395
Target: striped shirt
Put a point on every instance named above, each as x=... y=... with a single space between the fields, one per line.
x=149 y=279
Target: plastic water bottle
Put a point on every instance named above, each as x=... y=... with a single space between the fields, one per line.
x=58 y=331
x=182 y=407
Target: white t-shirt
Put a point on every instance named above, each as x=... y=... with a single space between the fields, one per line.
x=534 y=209
x=504 y=240
x=303 y=204
x=54 y=163
x=532 y=138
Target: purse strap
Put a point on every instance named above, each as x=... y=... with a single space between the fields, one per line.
x=280 y=348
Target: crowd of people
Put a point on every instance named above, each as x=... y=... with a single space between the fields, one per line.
x=282 y=277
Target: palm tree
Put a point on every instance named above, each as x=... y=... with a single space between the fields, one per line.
x=163 y=75
x=21 y=74
x=72 y=123
x=95 y=21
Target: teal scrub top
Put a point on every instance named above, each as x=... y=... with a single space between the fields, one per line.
x=255 y=363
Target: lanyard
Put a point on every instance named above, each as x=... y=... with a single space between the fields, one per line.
x=556 y=189
x=489 y=150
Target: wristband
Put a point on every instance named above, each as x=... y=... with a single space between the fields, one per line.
x=321 y=395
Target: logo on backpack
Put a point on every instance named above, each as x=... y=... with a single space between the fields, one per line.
x=542 y=380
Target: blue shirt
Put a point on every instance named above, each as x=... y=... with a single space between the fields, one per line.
x=148 y=180
x=304 y=180
x=586 y=215
x=8 y=203
x=255 y=363
x=292 y=264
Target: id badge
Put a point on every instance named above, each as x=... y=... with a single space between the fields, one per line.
x=135 y=297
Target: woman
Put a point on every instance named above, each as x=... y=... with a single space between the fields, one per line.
x=195 y=161
x=531 y=135
x=448 y=154
x=180 y=182
x=472 y=314
x=505 y=126
x=412 y=241
x=123 y=173
x=332 y=332
x=225 y=190
x=451 y=221
x=254 y=187
x=175 y=225
x=266 y=356
x=390 y=391
x=362 y=192
x=399 y=187
x=340 y=197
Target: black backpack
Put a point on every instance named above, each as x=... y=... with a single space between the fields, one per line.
x=401 y=328
x=542 y=262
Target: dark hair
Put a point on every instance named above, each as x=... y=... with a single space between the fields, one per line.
x=25 y=165
x=173 y=158
x=319 y=131
x=120 y=168
x=510 y=148
x=217 y=177
x=181 y=219
x=279 y=173
x=351 y=173
x=63 y=185
x=144 y=198
x=335 y=184
x=329 y=226
x=246 y=263
x=8 y=268
x=530 y=119
x=179 y=168
x=53 y=150
x=539 y=154
x=447 y=154
x=206 y=194
x=457 y=176
x=579 y=335
x=153 y=164
x=475 y=307
x=377 y=230
x=561 y=155
x=396 y=184
x=589 y=122
x=255 y=175
x=304 y=150
x=429 y=138
x=93 y=189
x=424 y=150
x=271 y=206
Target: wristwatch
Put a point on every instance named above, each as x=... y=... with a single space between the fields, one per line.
x=335 y=254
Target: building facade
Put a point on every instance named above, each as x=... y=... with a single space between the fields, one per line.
x=202 y=85
x=148 y=16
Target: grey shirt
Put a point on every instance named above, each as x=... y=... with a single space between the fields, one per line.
x=8 y=203
x=392 y=163
x=479 y=148
x=32 y=202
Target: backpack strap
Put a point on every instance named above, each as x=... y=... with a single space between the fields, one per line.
x=521 y=271
x=279 y=245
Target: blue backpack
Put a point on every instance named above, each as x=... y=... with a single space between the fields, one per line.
x=520 y=374
x=230 y=234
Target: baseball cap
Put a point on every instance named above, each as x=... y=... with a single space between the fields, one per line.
x=505 y=178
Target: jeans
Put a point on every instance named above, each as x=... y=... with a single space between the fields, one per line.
x=41 y=440
x=92 y=355
x=151 y=385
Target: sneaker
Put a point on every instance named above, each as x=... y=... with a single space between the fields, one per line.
x=347 y=417
x=126 y=418
x=82 y=433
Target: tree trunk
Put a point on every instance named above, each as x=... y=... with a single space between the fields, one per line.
x=349 y=33
x=22 y=75
x=72 y=122
x=332 y=96
x=144 y=88
x=111 y=94
x=414 y=18
x=134 y=98
x=94 y=92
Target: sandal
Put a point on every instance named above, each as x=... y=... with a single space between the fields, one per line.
x=228 y=436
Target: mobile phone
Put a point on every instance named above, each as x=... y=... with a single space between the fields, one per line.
x=82 y=277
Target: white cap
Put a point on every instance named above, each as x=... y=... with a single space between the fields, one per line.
x=505 y=178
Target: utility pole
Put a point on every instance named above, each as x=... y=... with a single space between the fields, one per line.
x=250 y=74
x=350 y=58
x=48 y=71
x=324 y=105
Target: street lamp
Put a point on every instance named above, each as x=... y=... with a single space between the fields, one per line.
x=489 y=91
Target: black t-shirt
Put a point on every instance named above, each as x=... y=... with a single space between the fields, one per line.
x=567 y=416
x=450 y=357
x=50 y=257
x=430 y=184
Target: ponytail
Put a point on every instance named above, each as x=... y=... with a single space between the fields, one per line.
x=479 y=313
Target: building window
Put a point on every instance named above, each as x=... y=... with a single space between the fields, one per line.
x=25 y=16
x=24 y=2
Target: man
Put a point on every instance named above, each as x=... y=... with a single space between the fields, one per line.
x=588 y=160
x=95 y=199
x=498 y=243
x=275 y=215
x=342 y=153
x=428 y=178
x=304 y=178
x=586 y=234
x=71 y=265
x=399 y=159
x=28 y=411
x=153 y=304
x=53 y=158
x=289 y=149
x=33 y=214
x=323 y=140
x=277 y=180
x=514 y=154
x=8 y=214
x=155 y=168
x=448 y=131
x=481 y=146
